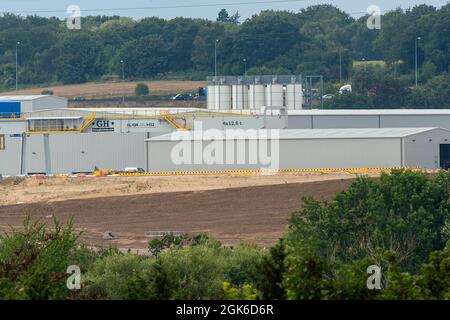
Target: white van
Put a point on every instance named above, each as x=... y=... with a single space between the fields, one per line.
x=134 y=170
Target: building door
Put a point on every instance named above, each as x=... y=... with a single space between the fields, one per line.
x=444 y=156
x=2 y=142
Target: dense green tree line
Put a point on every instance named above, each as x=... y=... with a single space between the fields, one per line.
x=377 y=87
x=399 y=223
x=307 y=42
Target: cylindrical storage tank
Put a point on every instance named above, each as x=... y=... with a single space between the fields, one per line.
x=210 y=97
x=240 y=96
x=223 y=97
x=256 y=96
x=294 y=97
x=274 y=95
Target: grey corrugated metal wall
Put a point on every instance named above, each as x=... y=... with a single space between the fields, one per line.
x=75 y=153
x=293 y=154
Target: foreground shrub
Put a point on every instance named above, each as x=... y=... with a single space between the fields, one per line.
x=398 y=223
x=119 y=276
x=404 y=212
x=34 y=261
x=244 y=292
x=195 y=271
x=270 y=271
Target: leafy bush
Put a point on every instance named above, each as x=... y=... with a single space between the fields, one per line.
x=34 y=261
x=241 y=263
x=244 y=292
x=394 y=222
x=270 y=273
x=193 y=273
x=118 y=276
x=156 y=246
x=198 y=272
x=168 y=241
x=404 y=212
x=142 y=89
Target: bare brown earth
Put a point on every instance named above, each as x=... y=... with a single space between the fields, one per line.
x=30 y=190
x=104 y=90
x=257 y=214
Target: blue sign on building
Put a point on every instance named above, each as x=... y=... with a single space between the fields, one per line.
x=9 y=109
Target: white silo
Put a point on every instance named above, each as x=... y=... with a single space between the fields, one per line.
x=294 y=96
x=223 y=97
x=211 y=97
x=256 y=96
x=240 y=96
x=274 y=95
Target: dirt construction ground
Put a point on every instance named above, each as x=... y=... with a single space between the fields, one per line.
x=231 y=208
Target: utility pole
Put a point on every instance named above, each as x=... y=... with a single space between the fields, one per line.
x=123 y=79
x=17 y=68
x=340 y=66
x=417 y=44
x=215 y=57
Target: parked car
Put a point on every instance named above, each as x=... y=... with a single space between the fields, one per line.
x=182 y=97
x=346 y=88
x=328 y=97
x=134 y=170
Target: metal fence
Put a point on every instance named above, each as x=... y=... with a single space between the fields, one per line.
x=263 y=79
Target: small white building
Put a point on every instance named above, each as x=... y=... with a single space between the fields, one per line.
x=32 y=103
x=214 y=150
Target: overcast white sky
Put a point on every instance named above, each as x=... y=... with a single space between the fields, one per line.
x=58 y=7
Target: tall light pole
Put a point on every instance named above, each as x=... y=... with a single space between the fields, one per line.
x=417 y=44
x=123 y=78
x=340 y=65
x=245 y=66
x=215 y=57
x=17 y=67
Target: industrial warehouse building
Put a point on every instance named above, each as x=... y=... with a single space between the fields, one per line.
x=53 y=139
x=13 y=105
x=299 y=149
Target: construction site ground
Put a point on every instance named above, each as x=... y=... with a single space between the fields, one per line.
x=231 y=208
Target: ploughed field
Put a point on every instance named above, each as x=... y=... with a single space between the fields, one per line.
x=115 y=89
x=232 y=209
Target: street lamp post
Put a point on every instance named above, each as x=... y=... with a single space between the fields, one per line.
x=17 y=67
x=245 y=66
x=215 y=57
x=340 y=66
x=417 y=44
x=123 y=78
